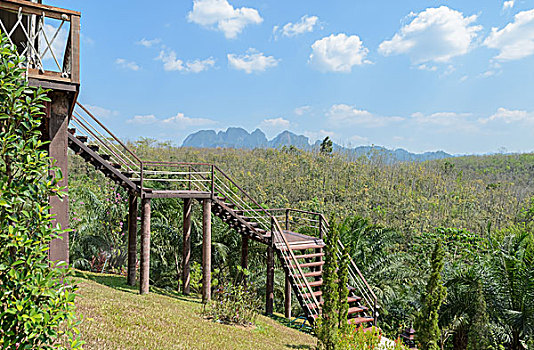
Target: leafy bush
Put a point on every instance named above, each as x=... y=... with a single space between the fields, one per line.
x=36 y=301
x=356 y=338
x=233 y=303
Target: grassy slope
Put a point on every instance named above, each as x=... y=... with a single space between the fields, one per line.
x=116 y=317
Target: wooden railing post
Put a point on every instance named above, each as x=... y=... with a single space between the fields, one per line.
x=287 y=219
x=244 y=255
x=132 y=238
x=212 y=182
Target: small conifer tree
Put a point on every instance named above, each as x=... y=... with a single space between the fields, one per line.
x=426 y=323
x=328 y=325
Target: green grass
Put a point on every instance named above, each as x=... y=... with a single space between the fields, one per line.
x=117 y=317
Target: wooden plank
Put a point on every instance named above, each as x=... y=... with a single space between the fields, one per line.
x=37 y=9
x=47 y=83
x=75 y=49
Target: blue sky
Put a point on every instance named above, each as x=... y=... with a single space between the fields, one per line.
x=422 y=75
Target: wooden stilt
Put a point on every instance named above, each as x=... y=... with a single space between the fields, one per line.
x=244 y=254
x=269 y=297
x=186 y=247
x=206 y=251
x=287 y=298
x=145 y=246
x=132 y=238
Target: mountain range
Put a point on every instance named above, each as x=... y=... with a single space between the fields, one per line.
x=235 y=137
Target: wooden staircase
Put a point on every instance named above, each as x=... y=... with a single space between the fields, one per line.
x=301 y=255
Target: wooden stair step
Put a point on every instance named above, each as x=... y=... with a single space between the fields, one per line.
x=82 y=138
x=309 y=256
x=354 y=299
x=93 y=148
x=304 y=246
x=105 y=156
x=312 y=264
x=312 y=284
x=316 y=294
x=72 y=130
x=356 y=309
x=313 y=274
x=360 y=320
x=116 y=165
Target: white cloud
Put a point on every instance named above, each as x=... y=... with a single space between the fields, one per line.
x=125 y=64
x=302 y=110
x=509 y=116
x=345 y=115
x=143 y=119
x=252 y=61
x=172 y=63
x=101 y=112
x=427 y=67
x=305 y=25
x=508 y=4
x=220 y=15
x=338 y=53
x=149 y=43
x=179 y=121
x=435 y=34
x=516 y=39
x=275 y=123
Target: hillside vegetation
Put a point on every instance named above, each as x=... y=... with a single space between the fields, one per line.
x=391 y=216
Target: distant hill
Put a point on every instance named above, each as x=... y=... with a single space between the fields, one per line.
x=235 y=137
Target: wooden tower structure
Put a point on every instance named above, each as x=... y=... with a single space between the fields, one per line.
x=294 y=236
x=49 y=38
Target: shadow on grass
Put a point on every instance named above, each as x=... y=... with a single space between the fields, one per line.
x=306 y=347
x=118 y=282
x=295 y=323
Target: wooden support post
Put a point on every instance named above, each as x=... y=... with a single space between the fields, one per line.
x=244 y=254
x=145 y=246
x=269 y=297
x=206 y=250
x=54 y=129
x=132 y=238
x=287 y=298
x=186 y=247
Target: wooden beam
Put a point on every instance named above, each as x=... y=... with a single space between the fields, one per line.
x=145 y=246
x=186 y=247
x=206 y=250
x=132 y=238
x=269 y=295
x=37 y=9
x=287 y=298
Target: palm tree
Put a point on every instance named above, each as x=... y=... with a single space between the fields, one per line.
x=511 y=285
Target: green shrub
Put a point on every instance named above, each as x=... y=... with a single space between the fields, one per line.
x=233 y=303
x=36 y=301
x=355 y=338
